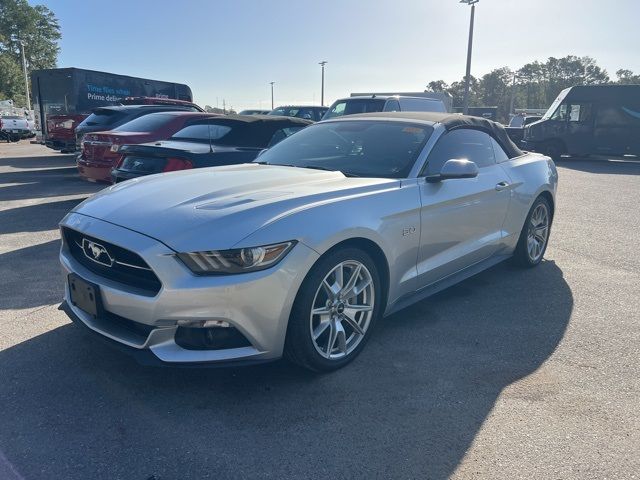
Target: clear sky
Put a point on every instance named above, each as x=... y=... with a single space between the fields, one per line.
x=231 y=49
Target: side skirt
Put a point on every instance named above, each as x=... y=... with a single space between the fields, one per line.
x=444 y=283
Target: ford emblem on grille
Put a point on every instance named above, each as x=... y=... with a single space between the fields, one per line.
x=96 y=252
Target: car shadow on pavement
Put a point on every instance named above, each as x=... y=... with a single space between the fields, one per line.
x=51 y=182
x=53 y=161
x=30 y=276
x=601 y=165
x=35 y=218
x=409 y=407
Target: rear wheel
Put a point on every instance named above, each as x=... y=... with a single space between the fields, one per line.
x=335 y=311
x=534 y=236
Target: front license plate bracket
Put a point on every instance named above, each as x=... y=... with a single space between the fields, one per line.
x=84 y=295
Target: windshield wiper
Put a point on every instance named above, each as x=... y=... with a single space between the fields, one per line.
x=327 y=169
x=312 y=167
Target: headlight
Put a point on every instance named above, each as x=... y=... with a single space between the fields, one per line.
x=238 y=260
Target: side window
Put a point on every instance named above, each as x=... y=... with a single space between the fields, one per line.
x=282 y=134
x=305 y=113
x=560 y=113
x=461 y=143
x=499 y=153
x=580 y=113
x=202 y=132
x=391 y=106
x=338 y=109
x=574 y=113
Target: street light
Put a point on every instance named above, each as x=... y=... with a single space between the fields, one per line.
x=322 y=64
x=271 y=83
x=26 y=80
x=465 y=105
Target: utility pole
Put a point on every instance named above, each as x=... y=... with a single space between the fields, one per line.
x=224 y=106
x=513 y=93
x=322 y=64
x=467 y=78
x=26 y=79
x=271 y=83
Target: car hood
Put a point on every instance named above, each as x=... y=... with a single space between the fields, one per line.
x=215 y=208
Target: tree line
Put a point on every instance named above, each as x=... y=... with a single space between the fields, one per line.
x=37 y=28
x=534 y=85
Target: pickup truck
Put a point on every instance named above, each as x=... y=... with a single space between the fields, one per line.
x=515 y=130
x=14 y=128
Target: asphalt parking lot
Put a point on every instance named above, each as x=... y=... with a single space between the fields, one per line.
x=512 y=374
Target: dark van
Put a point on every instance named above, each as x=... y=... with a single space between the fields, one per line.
x=589 y=120
x=64 y=97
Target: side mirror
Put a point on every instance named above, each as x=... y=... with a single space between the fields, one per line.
x=455 y=168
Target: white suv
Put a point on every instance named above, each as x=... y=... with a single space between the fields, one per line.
x=383 y=103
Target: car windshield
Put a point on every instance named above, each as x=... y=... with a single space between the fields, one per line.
x=355 y=105
x=553 y=107
x=146 y=123
x=362 y=148
x=517 y=121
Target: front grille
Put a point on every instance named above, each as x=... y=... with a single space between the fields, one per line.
x=114 y=262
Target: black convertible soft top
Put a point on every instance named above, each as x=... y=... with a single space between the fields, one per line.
x=452 y=121
x=252 y=130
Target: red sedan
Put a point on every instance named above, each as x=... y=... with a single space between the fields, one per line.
x=99 y=152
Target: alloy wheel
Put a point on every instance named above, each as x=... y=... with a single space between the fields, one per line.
x=538 y=232
x=342 y=310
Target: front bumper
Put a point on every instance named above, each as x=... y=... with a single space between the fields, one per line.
x=60 y=144
x=146 y=356
x=257 y=304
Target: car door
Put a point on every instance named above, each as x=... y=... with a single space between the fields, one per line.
x=461 y=219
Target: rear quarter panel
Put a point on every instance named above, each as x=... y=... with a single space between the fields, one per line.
x=531 y=174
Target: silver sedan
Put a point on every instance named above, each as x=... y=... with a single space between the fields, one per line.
x=301 y=252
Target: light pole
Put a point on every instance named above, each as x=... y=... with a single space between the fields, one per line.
x=271 y=83
x=322 y=64
x=465 y=105
x=26 y=80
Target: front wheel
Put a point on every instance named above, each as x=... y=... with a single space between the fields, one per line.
x=335 y=311
x=534 y=236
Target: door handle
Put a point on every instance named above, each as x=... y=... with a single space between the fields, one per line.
x=502 y=186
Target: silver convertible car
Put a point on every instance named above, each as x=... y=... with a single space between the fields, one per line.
x=301 y=252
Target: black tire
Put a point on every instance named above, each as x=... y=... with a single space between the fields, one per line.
x=299 y=345
x=521 y=256
x=553 y=149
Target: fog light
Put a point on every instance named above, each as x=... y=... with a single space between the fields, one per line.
x=214 y=338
